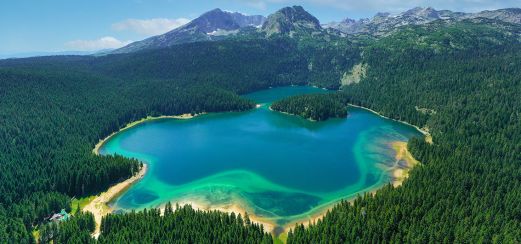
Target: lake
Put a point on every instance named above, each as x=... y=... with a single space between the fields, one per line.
x=277 y=167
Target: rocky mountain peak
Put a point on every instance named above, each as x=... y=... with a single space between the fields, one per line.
x=209 y=26
x=427 y=13
x=511 y=15
x=213 y=20
x=290 y=19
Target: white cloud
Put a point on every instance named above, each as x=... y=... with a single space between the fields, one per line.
x=106 y=42
x=149 y=27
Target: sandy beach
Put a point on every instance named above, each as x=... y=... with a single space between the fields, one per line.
x=99 y=206
x=398 y=172
x=268 y=224
x=403 y=164
x=229 y=208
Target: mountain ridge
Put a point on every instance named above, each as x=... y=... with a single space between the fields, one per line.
x=383 y=23
x=289 y=20
x=295 y=21
x=209 y=26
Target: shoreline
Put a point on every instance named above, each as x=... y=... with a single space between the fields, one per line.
x=404 y=163
x=398 y=173
x=424 y=131
x=271 y=226
x=100 y=144
x=99 y=205
x=327 y=208
x=286 y=113
x=235 y=208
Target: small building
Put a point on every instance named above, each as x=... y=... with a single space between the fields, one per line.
x=62 y=216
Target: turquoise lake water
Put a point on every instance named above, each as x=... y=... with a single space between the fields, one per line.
x=279 y=167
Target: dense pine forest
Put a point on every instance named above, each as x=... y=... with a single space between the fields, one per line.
x=460 y=80
x=316 y=107
x=55 y=109
x=183 y=225
x=176 y=225
x=51 y=123
x=468 y=188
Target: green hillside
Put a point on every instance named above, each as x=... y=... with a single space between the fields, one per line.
x=462 y=82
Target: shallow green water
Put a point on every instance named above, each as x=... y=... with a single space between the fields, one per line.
x=279 y=167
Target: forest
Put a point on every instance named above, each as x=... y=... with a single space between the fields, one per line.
x=459 y=80
x=55 y=109
x=179 y=224
x=47 y=147
x=316 y=107
x=468 y=188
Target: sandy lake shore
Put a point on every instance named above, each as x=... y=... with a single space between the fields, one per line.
x=404 y=159
x=403 y=164
x=235 y=208
x=99 y=206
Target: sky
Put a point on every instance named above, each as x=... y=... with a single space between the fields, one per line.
x=87 y=25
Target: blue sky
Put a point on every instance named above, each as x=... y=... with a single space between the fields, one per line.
x=60 y=25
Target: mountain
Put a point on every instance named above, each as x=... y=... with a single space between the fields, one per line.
x=295 y=21
x=290 y=20
x=218 y=24
x=209 y=26
x=457 y=77
x=511 y=15
x=383 y=23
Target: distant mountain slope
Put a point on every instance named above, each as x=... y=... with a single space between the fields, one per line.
x=297 y=22
x=208 y=26
x=289 y=20
x=511 y=15
x=383 y=23
x=217 y=25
